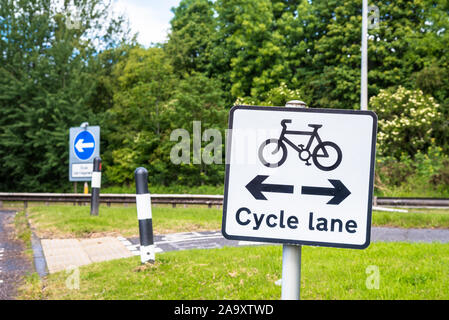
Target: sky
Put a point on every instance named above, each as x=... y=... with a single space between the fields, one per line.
x=150 y=18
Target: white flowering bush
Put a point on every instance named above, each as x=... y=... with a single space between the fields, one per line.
x=405 y=121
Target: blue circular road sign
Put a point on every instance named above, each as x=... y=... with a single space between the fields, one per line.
x=84 y=145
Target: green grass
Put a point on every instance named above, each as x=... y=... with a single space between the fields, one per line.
x=414 y=191
x=71 y=221
x=22 y=228
x=406 y=271
x=22 y=232
x=74 y=221
x=415 y=218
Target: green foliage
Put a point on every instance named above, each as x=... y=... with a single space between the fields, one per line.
x=315 y=47
x=406 y=120
x=143 y=81
x=278 y=96
x=424 y=175
x=45 y=87
x=196 y=98
x=150 y=101
x=190 y=40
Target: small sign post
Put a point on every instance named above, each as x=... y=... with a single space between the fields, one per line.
x=299 y=176
x=84 y=146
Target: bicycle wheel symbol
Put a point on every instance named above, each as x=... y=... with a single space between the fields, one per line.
x=326 y=147
x=275 y=147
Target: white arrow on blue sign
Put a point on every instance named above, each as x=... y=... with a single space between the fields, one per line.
x=84 y=145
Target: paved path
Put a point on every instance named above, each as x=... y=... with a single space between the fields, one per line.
x=13 y=264
x=63 y=254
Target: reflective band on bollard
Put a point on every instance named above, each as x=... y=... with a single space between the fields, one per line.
x=95 y=186
x=143 y=204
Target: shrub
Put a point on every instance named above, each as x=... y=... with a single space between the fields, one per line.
x=406 y=119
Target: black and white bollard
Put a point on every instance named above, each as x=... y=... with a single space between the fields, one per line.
x=143 y=204
x=95 y=187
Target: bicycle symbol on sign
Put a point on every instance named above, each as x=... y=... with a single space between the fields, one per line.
x=326 y=155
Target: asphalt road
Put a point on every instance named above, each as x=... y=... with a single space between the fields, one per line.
x=13 y=264
x=214 y=239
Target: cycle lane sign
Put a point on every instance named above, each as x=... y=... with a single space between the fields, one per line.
x=300 y=176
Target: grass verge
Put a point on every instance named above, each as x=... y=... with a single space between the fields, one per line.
x=382 y=271
x=22 y=229
x=69 y=221
x=415 y=218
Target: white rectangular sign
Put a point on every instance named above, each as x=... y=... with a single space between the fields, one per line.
x=302 y=176
x=82 y=170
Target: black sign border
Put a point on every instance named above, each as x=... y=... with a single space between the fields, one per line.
x=300 y=242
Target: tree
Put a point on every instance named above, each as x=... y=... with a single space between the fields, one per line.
x=197 y=108
x=143 y=82
x=45 y=84
x=193 y=28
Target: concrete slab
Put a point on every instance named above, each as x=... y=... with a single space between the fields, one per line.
x=65 y=254
x=104 y=249
x=62 y=254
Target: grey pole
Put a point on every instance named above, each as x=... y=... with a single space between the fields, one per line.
x=291 y=254
x=291 y=272
x=95 y=186
x=143 y=203
x=364 y=70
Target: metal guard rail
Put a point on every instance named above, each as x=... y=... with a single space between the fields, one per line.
x=186 y=199
x=80 y=198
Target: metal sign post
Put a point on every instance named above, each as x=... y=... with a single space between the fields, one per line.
x=364 y=69
x=291 y=254
x=291 y=272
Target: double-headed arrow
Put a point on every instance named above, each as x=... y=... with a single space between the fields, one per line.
x=339 y=192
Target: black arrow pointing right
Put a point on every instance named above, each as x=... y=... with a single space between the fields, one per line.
x=339 y=191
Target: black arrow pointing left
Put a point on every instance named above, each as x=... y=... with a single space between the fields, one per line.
x=256 y=187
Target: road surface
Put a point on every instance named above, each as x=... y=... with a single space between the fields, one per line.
x=13 y=263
